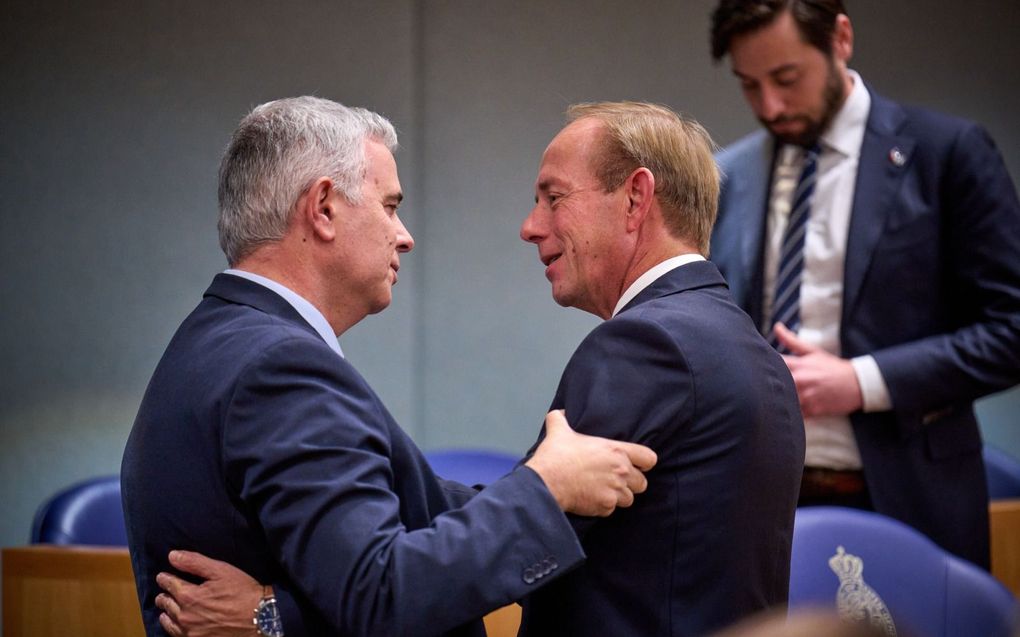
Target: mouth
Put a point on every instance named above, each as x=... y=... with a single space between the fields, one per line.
x=395 y=267
x=786 y=123
x=549 y=260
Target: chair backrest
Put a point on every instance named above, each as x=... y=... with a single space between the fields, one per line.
x=471 y=466
x=1003 y=473
x=867 y=565
x=88 y=512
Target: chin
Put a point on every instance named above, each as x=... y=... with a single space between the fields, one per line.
x=564 y=300
x=380 y=305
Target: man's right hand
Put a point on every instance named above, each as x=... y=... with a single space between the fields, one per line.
x=221 y=606
x=589 y=475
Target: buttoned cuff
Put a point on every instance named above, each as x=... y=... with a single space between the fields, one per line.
x=874 y=393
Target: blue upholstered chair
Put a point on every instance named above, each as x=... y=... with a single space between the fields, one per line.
x=1003 y=472
x=471 y=466
x=88 y=512
x=868 y=565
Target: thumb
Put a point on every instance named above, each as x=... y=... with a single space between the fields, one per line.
x=556 y=423
x=790 y=341
x=195 y=564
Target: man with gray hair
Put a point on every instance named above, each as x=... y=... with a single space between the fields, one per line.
x=258 y=444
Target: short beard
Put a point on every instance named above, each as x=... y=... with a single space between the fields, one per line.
x=832 y=98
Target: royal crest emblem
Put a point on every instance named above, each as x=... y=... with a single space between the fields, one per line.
x=855 y=600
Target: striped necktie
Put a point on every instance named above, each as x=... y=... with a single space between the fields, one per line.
x=786 y=304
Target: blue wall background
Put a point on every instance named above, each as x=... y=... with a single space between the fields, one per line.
x=113 y=115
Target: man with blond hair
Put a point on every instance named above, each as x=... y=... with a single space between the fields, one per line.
x=626 y=197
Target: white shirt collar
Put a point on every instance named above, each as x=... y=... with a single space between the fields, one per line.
x=308 y=312
x=846 y=131
x=651 y=275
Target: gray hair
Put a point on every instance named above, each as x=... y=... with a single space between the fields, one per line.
x=277 y=152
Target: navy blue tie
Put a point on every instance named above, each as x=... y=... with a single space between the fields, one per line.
x=786 y=301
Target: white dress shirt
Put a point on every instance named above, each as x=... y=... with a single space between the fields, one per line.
x=651 y=275
x=308 y=312
x=830 y=440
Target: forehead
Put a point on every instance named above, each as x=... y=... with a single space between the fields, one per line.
x=776 y=44
x=381 y=169
x=568 y=156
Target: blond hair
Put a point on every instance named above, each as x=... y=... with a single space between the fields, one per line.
x=677 y=150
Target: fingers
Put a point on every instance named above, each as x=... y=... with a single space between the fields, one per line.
x=169 y=618
x=789 y=340
x=625 y=499
x=639 y=455
x=170 y=626
x=621 y=497
x=195 y=564
x=171 y=583
x=636 y=482
x=168 y=605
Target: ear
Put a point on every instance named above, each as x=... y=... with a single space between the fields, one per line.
x=318 y=207
x=640 y=191
x=843 y=39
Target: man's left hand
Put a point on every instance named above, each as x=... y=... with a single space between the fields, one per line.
x=826 y=384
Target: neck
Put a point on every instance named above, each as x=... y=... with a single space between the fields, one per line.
x=647 y=257
x=848 y=86
x=298 y=274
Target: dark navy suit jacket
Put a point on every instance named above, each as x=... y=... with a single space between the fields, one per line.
x=682 y=369
x=258 y=445
x=931 y=291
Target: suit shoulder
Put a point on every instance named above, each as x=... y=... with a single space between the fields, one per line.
x=746 y=147
x=238 y=337
x=934 y=128
x=627 y=336
x=667 y=323
x=926 y=119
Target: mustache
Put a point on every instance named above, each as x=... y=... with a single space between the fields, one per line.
x=784 y=119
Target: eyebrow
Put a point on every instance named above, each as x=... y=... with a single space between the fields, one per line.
x=771 y=72
x=394 y=198
x=548 y=183
x=543 y=186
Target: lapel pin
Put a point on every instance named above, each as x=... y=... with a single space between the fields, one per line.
x=897 y=157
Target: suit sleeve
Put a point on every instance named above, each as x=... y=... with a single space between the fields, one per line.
x=457 y=494
x=624 y=382
x=980 y=349
x=307 y=447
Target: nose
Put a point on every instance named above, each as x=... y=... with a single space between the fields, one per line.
x=531 y=228
x=405 y=242
x=770 y=103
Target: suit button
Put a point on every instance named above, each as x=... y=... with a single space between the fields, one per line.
x=529 y=576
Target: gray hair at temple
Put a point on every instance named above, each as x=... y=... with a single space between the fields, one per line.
x=277 y=152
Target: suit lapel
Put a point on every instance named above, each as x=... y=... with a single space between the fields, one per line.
x=755 y=190
x=747 y=167
x=885 y=156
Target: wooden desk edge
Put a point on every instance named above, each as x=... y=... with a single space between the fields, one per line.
x=76 y=562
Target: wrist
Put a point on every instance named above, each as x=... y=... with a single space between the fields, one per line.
x=267 y=615
x=545 y=474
